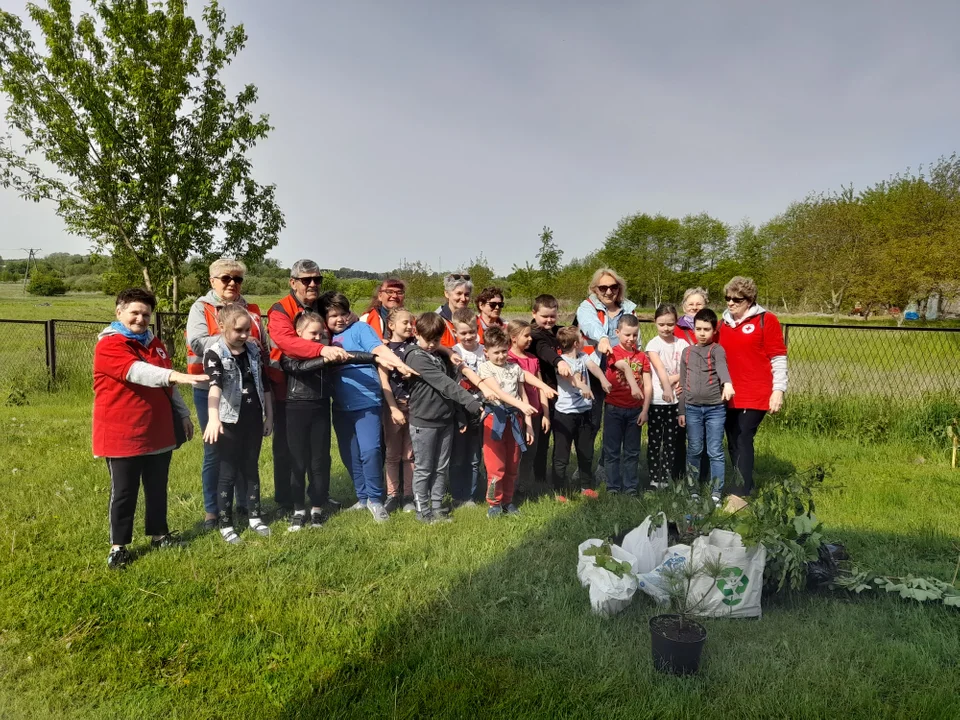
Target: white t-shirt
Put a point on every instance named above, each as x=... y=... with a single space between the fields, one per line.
x=669 y=354
x=471 y=358
x=509 y=377
x=569 y=399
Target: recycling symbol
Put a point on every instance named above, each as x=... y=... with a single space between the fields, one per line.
x=732 y=583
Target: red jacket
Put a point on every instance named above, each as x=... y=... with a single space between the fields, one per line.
x=750 y=346
x=129 y=419
x=282 y=328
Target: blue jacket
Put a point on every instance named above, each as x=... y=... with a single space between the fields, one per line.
x=231 y=394
x=588 y=319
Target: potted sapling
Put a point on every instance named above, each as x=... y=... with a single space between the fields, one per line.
x=677 y=639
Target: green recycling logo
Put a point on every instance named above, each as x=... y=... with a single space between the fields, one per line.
x=732 y=583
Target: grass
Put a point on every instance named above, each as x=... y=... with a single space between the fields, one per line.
x=472 y=619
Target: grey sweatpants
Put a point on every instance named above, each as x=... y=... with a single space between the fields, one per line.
x=431 y=464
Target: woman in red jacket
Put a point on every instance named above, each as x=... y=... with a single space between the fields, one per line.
x=134 y=413
x=757 y=359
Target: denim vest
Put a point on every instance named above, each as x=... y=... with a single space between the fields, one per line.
x=231 y=392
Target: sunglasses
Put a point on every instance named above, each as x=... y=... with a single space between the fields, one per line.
x=736 y=300
x=459 y=276
x=225 y=279
x=607 y=288
x=312 y=280
x=495 y=305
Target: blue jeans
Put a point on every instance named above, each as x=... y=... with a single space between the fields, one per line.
x=705 y=424
x=210 y=470
x=621 y=448
x=358 y=437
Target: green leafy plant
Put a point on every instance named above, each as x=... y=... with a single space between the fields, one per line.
x=687 y=504
x=857 y=580
x=603 y=557
x=679 y=581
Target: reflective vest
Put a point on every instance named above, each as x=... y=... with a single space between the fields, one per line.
x=588 y=347
x=292 y=309
x=480 y=329
x=373 y=318
x=195 y=363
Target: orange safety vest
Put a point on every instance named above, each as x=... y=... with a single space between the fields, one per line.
x=195 y=363
x=588 y=347
x=292 y=309
x=449 y=338
x=480 y=329
x=374 y=320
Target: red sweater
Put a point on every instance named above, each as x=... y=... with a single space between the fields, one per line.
x=129 y=419
x=750 y=347
x=620 y=395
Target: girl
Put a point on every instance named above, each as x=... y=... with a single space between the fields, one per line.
x=399 y=448
x=519 y=332
x=468 y=442
x=665 y=439
x=241 y=415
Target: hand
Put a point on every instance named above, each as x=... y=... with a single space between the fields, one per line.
x=527 y=409
x=268 y=427
x=642 y=420
x=463 y=430
x=587 y=394
x=636 y=393
x=776 y=401
x=727 y=392
x=396 y=414
x=605 y=384
x=529 y=438
x=604 y=346
x=682 y=420
x=563 y=369
x=392 y=362
x=179 y=378
x=213 y=431
x=188 y=428
x=668 y=396
x=332 y=353
x=545 y=424
x=550 y=393
x=455 y=360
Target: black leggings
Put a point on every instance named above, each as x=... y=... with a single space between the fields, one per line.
x=665 y=443
x=568 y=430
x=741 y=427
x=125 y=476
x=308 y=439
x=239 y=448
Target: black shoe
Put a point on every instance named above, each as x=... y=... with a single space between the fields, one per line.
x=441 y=515
x=425 y=516
x=118 y=557
x=392 y=504
x=209 y=524
x=317 y=519
x=282 y=512
x=298 y=521
x=333 y=506
x=511 y=509
x=169 y=540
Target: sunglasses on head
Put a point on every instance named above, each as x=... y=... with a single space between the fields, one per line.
x=312 y=280
x=459 y=276
x=225 y=279
x=495 y=305
x=607 y=288
x=737 y=300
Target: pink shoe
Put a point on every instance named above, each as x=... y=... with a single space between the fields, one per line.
x=589 y=493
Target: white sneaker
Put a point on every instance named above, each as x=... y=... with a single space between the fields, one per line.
x=379 y=512
x=259 y=527
x=359 y=505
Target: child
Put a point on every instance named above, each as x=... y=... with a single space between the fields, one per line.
x=434 y=398
x=398 y=447
x=307 y=410
x=626 y=407
x=241 y=415
x=572 y=414
x=359 y=392
x=520 y=340
x=665 y=440
x=505 y=436
x=703 y=370
x=465 y=461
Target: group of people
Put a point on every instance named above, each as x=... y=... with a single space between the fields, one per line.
x=423 y=405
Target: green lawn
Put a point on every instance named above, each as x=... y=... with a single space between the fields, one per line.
x=474 y=619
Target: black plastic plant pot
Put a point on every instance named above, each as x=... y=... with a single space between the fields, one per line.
x=676 y=649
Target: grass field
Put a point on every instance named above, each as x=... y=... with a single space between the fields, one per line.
x=474 y=619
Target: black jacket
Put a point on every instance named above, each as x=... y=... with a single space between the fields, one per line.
x=434 y=394
x=307 y=379
x=547 y=350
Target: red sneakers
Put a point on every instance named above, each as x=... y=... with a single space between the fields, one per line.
x=589 y=493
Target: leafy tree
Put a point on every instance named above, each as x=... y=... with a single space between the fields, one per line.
x=481 y=274
x=525 y=282
x=45 y=283
x=149 y=154
x=549 y=255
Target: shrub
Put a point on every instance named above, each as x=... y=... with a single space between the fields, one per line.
x=47 y=285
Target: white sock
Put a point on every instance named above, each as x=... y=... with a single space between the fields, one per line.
x=300 y=513
x=255 y=522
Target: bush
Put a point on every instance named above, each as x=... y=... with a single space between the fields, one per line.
x=47 y=285
x=85 y=283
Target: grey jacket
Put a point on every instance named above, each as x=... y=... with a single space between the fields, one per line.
x=231 y=392
x=703 y=373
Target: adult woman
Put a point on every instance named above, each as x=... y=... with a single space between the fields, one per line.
x=694 y=300
x=134 y=413
x=489 y=307
x=226 y=281
x=457 y=289
x=389 y=296
x=757 y=359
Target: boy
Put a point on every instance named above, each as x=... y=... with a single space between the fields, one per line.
x=626 y=407
x=434 y=397
x=706 y=385
x=572 y=416
x=465 y=461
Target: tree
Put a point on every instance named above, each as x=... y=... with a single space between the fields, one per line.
x=481 y=274
x=149 y=154
x=549 y=255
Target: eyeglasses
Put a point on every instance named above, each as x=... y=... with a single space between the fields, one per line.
x=459 y=276
x=393 y=293
x=495 y=305
x=607 y=288
x=312 y=280
x=225 y=279
x=736 y=300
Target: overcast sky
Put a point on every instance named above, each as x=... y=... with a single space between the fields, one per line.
x=437 y=130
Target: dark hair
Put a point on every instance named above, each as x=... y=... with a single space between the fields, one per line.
x=333 y=299
x=307 y=317
x=387 y=284
x=706 y=315
x=495 y=337
x=488 y=294
x=547 y=301
x=665 y=309
x=430 y=326
x=628 y=320
x=132 y=295
x=465 y=316
x=568 y=337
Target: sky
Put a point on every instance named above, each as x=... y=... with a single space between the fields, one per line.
x=437 y=131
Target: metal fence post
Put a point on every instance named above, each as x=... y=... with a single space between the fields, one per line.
x=50 y=339
x=786 y=335
x=158 y=325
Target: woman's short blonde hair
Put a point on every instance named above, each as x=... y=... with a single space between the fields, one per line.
x=225 y=266
x=615 y=275
x=743 y=286
x=690 y=292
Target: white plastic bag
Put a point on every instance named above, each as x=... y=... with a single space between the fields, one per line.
x=584 y=562
x=609 y=594
x=648 y=547
x=737 y=592
x=653 y=583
